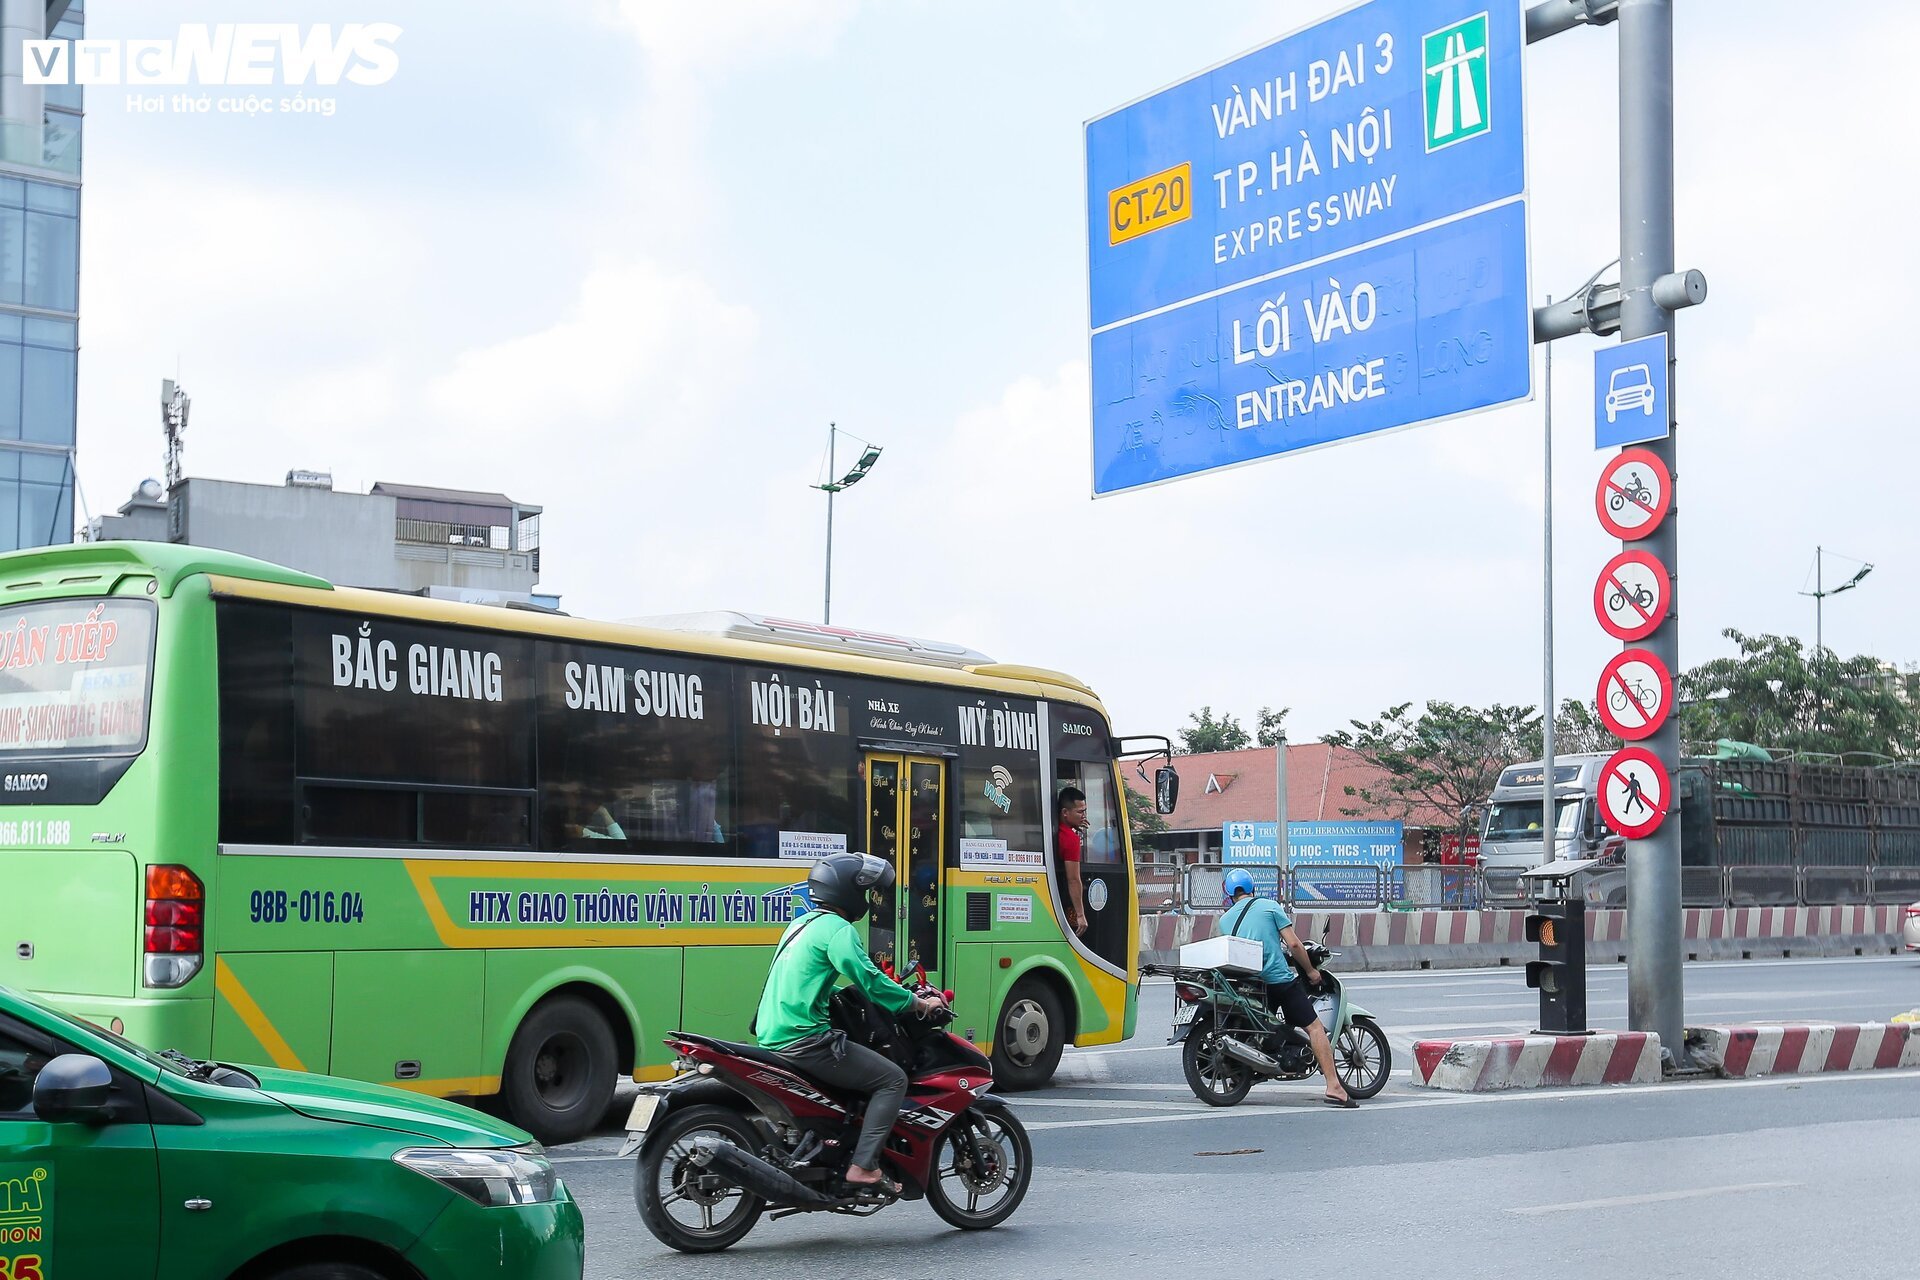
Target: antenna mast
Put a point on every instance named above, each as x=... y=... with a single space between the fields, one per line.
x=174 y=405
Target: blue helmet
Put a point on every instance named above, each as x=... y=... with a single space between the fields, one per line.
x=1238 y=880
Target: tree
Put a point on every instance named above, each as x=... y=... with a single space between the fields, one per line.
x=1446 y=758
x=1272 y=725
x=1209 y=734
x=1778 y=696
x=1576 y=731
x=1142 y=817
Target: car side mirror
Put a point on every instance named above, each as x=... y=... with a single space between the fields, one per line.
x=73 y=1089
x=1166 y=789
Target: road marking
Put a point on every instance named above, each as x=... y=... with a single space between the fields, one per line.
x=1083 y=1054
x=1652 y=1197
x=1171 y=1086
x=1308 y=1103
x=1305 y=1102
x=1109 y=1104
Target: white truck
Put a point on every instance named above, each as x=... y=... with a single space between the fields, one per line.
x=1511 y=833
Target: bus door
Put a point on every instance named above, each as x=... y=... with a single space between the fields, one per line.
x=906 y=816
x=1083 y=760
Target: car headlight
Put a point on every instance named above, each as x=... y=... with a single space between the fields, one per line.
x=494 y=1177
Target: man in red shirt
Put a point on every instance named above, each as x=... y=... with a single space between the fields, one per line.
x=1071 y=810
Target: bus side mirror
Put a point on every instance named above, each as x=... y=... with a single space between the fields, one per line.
x=1166 y=789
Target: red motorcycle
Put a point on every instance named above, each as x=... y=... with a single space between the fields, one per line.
x=741 y=1131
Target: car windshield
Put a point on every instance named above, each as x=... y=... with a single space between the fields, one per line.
x=180 y=1066
x=1520 y=819
x=1627 y=379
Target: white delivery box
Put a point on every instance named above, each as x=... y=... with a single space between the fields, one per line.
x=1235 y=955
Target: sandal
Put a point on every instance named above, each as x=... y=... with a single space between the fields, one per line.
x=885 y=1188
x=1345 y=1104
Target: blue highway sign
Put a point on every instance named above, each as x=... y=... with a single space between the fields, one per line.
x=1319 y=240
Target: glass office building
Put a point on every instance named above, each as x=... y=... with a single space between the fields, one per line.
x=39 y=301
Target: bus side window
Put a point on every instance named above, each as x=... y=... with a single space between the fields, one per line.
x=795 y=779
x=1103 y=842
x=635 y=754
x=1103 y=826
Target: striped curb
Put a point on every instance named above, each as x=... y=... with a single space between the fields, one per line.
x=1740 y=1052
x=1536 y=1062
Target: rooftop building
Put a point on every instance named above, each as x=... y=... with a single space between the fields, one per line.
x=450 y=543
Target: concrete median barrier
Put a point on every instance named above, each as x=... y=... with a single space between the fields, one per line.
x=1804 y=1049
x=1378 y=940
x=1537 y=1062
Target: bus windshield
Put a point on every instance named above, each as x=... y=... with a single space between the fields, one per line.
x=1520 y=819
x=74 y=677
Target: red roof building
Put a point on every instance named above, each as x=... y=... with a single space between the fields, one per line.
x=1217 y=787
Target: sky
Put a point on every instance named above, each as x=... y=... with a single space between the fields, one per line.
x=627 y=259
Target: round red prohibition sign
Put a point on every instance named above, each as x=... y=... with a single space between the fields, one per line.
x=1633 y=596
x=1636 y=695
x=1634 y=495
x=1634 y=792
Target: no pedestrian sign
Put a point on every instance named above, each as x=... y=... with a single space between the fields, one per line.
x=1634 y=495
x=1634 y=792
x=1633 y=596
x=1635 y=696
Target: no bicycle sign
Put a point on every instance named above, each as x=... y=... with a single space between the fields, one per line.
x=1633 y=596
x=1635 y=696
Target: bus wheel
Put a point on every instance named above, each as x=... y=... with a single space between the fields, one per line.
x=1029 y=1037
x=559 y=1076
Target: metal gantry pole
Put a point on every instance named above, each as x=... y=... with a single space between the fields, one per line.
x=1819 y=601
x=1654 y=978
x=826 y=611
x=1547 y=825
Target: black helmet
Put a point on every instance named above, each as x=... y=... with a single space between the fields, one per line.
x=840 y=882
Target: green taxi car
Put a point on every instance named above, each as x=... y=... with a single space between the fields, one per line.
x=117 y=1163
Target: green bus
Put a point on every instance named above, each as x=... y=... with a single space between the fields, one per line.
x=472 y=849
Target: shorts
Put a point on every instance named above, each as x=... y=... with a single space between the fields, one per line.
x=1291 y=999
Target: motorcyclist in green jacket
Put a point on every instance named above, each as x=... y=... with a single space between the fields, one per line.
x=819 y=950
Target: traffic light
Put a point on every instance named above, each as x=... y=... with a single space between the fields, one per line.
x=1560 y=974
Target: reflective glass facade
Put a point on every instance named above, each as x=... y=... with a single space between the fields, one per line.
x=39 y=324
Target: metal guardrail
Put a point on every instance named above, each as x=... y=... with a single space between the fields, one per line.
x=1437 y=887
x=1441 y=885
x=1331 y=886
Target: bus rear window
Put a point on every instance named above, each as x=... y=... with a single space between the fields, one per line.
x=75 y=677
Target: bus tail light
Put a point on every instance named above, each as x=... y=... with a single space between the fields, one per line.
x=175 y=926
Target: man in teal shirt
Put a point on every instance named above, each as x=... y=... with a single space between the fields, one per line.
x=1250 y=916
x=818 y=950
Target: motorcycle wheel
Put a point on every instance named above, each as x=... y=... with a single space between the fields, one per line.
x=971 y=1197
x=1215 y=1079
x=1362 y=1059
x=666 y=1184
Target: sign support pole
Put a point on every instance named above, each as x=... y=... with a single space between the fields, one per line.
x=1654 y=980
x=826 y=607
x=1280 y=809
x=1547 y=823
